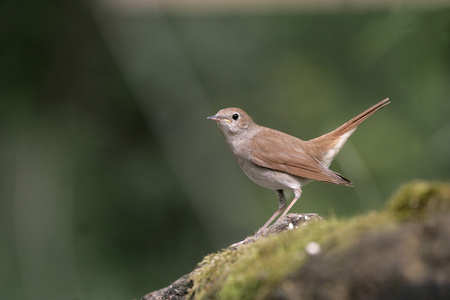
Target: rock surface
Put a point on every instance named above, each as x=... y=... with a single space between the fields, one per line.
x=401 y=252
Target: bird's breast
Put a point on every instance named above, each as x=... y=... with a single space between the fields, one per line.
x=269 y=178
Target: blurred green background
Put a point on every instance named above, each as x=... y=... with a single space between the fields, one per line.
x=114 y=184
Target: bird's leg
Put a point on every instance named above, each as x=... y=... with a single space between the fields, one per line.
x=297 y=194
x=281 y=205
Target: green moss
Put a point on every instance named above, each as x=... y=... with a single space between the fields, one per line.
x=253 y=271
x=419 y=199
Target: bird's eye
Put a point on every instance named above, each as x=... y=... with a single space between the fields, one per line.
x=235 y=117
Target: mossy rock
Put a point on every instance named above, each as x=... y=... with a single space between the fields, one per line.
x=402 y=252
x=420 y=200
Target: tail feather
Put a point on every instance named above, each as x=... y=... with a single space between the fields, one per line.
x=353 y=123
x=327 y=146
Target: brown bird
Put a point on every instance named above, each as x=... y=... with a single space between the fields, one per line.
x=280 y=161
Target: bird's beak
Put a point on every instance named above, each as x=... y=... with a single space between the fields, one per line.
x=217 y=118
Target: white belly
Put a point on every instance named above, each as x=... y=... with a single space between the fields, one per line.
x=272 y=179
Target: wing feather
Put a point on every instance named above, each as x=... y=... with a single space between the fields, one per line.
x=285 y=153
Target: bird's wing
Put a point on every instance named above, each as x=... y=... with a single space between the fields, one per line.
x=282 y=152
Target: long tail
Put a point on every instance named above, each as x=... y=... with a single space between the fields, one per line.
x=353 y=123
x=330 y=143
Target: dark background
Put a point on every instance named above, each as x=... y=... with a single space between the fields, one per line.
x=114 y=184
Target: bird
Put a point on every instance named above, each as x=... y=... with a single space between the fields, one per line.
x=279 y=161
